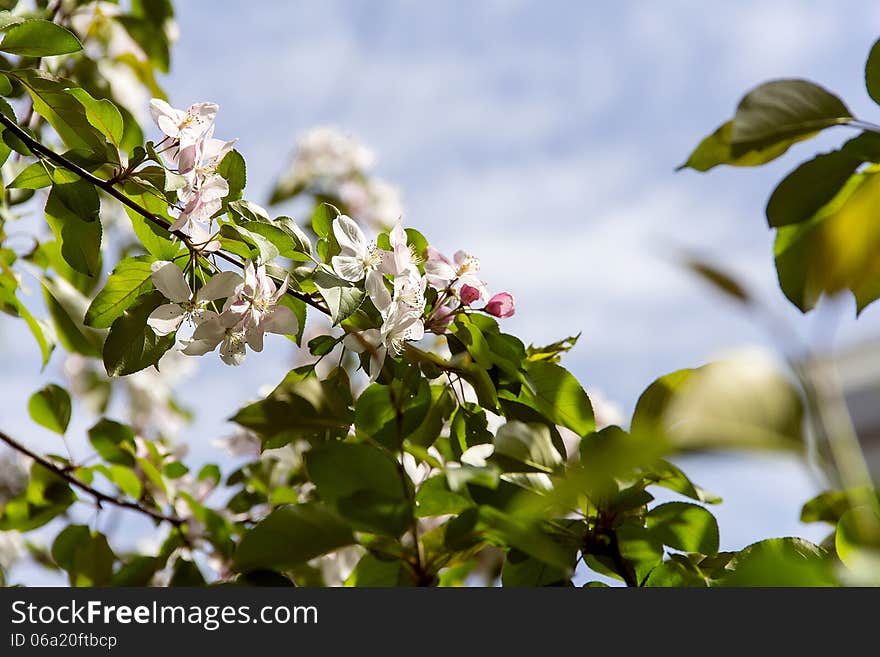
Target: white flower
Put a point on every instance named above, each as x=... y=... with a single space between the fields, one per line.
x=170 y=281
x=400 y=326
x=403 y=258
x=199 y=162
x=250 y=311
x=200 y=203
x=326 y=152
x=255 y=308
x=462 y=270
x=188 y=127
x=359 y=257
x=373 y=201
x=211 y=333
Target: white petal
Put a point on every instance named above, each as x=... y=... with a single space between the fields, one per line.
x=349 y=235
x=255 y=338
x=220 y=286
x=166 y=318
x=359 y=342
x=212 y=330
x=397 y=236
x=232 y=352
x=379 y=294
x=213 y=188
x=169 y=280
x=283 y=321
x=348 y=267
x=199 y=347
x=377 y=360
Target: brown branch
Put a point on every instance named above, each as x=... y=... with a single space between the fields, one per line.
x=110 y=189
x=100 y=497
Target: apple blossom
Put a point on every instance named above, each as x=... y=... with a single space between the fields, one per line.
x=403 y=258
x=200 y=203
x=501 y=305
x=254 y=308
x=211 y=333
x=170 y=281
x=186 y=127
x=400 y=326
x=461 y=270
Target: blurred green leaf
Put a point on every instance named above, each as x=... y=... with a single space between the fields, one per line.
x=768 y=120
x=291 y=535
x=684 y=526
x=779 y=562
x=51 y=407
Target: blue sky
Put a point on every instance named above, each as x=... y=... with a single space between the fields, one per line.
x=543 y=137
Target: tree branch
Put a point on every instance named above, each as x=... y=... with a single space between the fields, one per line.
x=99 y=496
x=110 y=189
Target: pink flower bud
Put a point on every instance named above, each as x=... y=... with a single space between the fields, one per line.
x=469 y=294
x=501 y=305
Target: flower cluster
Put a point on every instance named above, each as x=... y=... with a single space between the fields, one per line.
x=195 y=154
x=251 y=309
x=334 y=165
x=402 y=305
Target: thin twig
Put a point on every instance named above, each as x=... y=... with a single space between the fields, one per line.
x=99 y=496
x=110 y=189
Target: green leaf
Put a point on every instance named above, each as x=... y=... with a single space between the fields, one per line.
x=39 y=38
x=322 y=219
x=519 y=569
x=804 y=191
x=290 y=536
x=150 y=37
x=130 y=280
x=521 y=447
x=684 y=526
x=102 y=114
x=779 y=562
x=233 y=168
x=72 y=213
x=371 y=571
x=85 y=555
x=529 y=537
x=857 y=542
x=35 y=176
x=676 y=572
x=342 y=297
x=768 y=120
x=66 y=306
x=669 y=476
x=266 y=249
x=363 y=483
x=61 y=110
x=390 y=414
x=128 y=481
x=297 y=409
x=872 y=73
x=556 y=394
x=51 y=408
x=5 y=86
x=47 y=496
x=435 y=498
x=113 y=441
x=131 y=345
x=155 y=239
x=42 y=332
